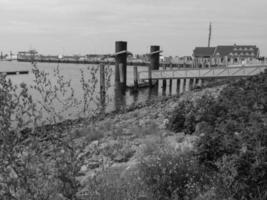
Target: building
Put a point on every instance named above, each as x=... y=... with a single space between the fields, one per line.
x=225 y=55
x=27 y=55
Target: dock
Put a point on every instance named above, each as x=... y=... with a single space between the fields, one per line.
x=10 y=73
x=202 y=73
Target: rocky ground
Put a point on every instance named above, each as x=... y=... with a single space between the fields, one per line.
x=118 y=141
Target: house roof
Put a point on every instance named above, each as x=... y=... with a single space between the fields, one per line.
x=204 y=51
x=237 y=51
x=230 y=50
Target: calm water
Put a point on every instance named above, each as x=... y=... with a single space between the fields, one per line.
x=73 y=72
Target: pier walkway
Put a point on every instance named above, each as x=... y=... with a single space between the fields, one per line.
x=202 y=73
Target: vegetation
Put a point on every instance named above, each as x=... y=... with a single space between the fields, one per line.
x=233 y=137
x=37 y=163
x=228 y=161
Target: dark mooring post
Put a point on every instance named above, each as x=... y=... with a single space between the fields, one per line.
x=102 y=86
x=164 y=84
x=154 y=59
x=135 y=73
x=164 y=81
x=121 y=63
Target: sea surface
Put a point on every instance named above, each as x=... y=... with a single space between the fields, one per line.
x=72 y=72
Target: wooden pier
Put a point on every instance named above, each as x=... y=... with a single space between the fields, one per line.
x=202 y=73
x=9 y=73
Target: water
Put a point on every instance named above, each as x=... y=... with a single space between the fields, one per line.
x=73 y=72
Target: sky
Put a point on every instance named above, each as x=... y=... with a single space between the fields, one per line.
x=93 y=26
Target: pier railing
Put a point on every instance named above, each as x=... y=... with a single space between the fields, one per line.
x=236 y=71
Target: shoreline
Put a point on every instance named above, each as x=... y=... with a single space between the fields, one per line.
x=77 y=123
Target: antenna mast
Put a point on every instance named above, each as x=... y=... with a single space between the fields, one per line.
x=209 y=35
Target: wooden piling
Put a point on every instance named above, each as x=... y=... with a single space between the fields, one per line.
x=170 y=87
x=102 y=85
x=121 y=60
x=178 y=86
x=164 y=84
x=154 y=60
x=164 y=80
x=199 y=82
x=191 y=84
x=121 y=73
x=187 y=84
x=154 y=57
x=182 y=83
x=150 y=76
x=135 y=78
x=194 y=83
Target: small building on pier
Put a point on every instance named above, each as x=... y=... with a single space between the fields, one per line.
x=225 y=55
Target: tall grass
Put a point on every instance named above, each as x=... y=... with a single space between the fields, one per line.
x=36 y=163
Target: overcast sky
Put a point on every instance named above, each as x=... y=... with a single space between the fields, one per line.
x=93 y=26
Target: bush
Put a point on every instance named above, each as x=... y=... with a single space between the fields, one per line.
x=188 y=114
x=234 y=144
x=39 y=162
x=233 y=137
x=172 y=175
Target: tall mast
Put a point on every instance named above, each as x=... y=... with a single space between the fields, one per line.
x=209 y=35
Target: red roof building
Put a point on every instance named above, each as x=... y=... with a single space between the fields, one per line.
x=224 y=55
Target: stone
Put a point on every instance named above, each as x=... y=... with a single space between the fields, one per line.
x=93 y=164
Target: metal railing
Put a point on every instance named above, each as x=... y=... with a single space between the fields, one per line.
x=233 y=71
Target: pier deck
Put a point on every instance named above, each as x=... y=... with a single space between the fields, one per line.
x=14 y=70
x=189 y=73
x=8 y=73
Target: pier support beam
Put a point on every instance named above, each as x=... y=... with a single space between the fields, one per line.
x=164 y=84
x=154 y=60
x=121 y=63
x=194 y=83
x=150 y=76
x=170 y=87
x=182 y=83
x=178 y=86
x=191 y=84
x=135 y=78
x=187 y=85
x=102 y=87
x=199 y=82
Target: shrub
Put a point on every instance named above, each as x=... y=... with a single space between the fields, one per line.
x=178 y=120
x=110 y=185
x=233 y=139
x=172 y=175
x=235 y=144
x=188 y=114
x=36 y=162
